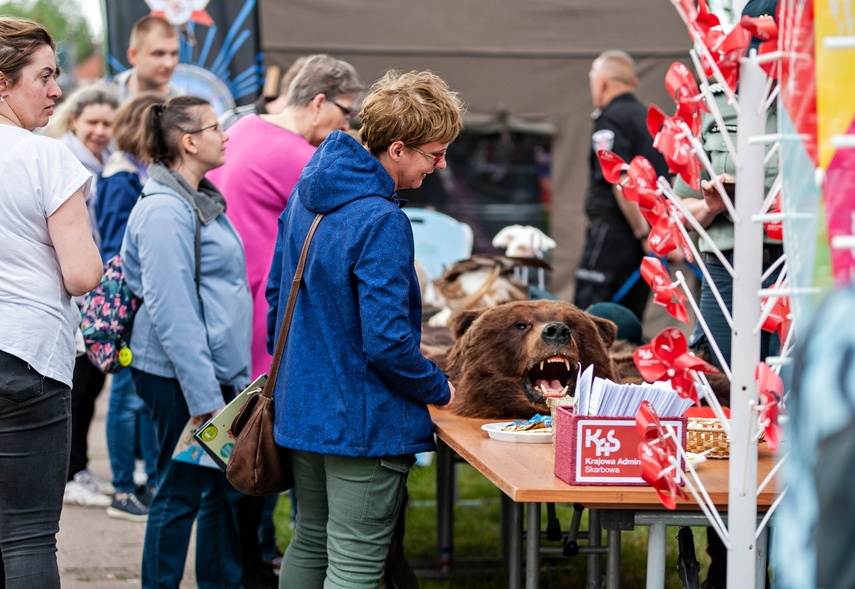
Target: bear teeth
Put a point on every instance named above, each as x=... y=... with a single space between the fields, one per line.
x=556 y=359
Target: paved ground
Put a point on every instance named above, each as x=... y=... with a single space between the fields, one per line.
x=96 y=551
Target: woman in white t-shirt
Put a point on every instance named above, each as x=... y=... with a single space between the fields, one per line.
x=48 y=255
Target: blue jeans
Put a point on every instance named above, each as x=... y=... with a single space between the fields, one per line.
x=129 y=426
x=35 y=437
x=721 y=332
x=348 y=508
x=186 y=493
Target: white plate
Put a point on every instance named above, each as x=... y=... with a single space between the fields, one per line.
x=538 y=436
x=695 y=459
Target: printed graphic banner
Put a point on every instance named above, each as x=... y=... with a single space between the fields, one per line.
x=835 y=29
x=220 y=55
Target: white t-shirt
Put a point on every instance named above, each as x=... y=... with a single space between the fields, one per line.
x=36 y=316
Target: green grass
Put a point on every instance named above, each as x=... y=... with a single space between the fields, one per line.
x=477 y=555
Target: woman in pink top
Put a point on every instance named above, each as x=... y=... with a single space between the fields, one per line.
x=264 y=159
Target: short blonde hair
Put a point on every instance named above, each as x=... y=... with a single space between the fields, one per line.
x=413 y=107
x=148 y=24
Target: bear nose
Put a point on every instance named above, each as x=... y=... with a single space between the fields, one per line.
x=556 y=333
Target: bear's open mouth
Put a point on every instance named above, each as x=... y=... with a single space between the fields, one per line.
x=549 y=377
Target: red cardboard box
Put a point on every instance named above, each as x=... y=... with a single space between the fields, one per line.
x=600 y=450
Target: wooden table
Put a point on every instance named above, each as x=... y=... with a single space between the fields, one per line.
x=524 y=473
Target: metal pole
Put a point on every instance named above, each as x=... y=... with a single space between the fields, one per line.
x=532 y=547
x=444 y=505
x=747 y=264
x=595 y=538
x=613 y=560
x=656 y=555
x=515 y=575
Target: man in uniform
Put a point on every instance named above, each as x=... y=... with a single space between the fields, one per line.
x=616 y=237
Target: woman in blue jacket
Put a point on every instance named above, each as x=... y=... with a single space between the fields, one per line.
x=351 y=403
x=191 y=336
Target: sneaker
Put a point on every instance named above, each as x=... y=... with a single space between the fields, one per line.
x=129 y=508
x=94 y=483
x=78 y=494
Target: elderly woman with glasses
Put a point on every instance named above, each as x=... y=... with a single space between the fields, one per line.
x=264 y=158
x=352 y=402
x=190 y=342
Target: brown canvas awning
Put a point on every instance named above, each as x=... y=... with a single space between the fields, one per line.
x=529 y=60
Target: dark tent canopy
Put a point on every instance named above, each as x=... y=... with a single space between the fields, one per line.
x=524 y=61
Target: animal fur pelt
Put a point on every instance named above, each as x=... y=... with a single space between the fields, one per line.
x=480 y=281
x=507 y=360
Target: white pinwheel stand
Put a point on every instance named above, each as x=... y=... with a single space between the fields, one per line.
x=743 y=537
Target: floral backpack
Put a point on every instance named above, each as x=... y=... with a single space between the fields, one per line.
x=108 y=315
x=108 y=312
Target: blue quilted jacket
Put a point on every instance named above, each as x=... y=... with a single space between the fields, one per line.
x=352 y=380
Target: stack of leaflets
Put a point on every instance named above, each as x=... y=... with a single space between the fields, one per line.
x=211 y=443
x=188 y=449
x=601 y=396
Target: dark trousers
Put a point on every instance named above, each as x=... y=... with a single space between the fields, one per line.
x=34 y=441
x=186 y=493
x=721 y=332
x=609 y=259
x=87 y=384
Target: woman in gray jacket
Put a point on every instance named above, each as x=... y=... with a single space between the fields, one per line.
x=191 y=336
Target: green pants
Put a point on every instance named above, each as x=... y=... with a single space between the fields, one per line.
x=347 y=509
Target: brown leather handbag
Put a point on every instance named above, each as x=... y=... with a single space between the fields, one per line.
x=258 y=466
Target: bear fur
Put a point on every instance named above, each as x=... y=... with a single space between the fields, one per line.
x=505 y=360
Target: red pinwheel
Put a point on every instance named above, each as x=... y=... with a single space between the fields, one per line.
x=724 y=49
x=664 y=292
x=655 y=454
x=682 y=87
x=764 y=28
x=665 y=234
x=640 y=184
x=726 y=52
x=775 y=229
x=672 y=143
x=612 y=165
x=780 y=318
x=701 y=21
x=668 y=356
x=771 y=390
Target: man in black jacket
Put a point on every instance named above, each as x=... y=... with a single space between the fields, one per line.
x=616 y=237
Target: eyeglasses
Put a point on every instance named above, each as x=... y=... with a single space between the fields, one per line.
x=348 y=113
x=436 y=157
x=215 y=127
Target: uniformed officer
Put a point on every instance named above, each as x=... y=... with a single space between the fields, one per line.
x=616 y=237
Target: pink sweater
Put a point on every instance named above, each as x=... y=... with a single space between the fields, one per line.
x=263 y=164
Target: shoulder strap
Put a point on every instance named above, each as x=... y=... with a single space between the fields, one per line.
x=197 y=250
x=289 y=311
x=197 y=254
